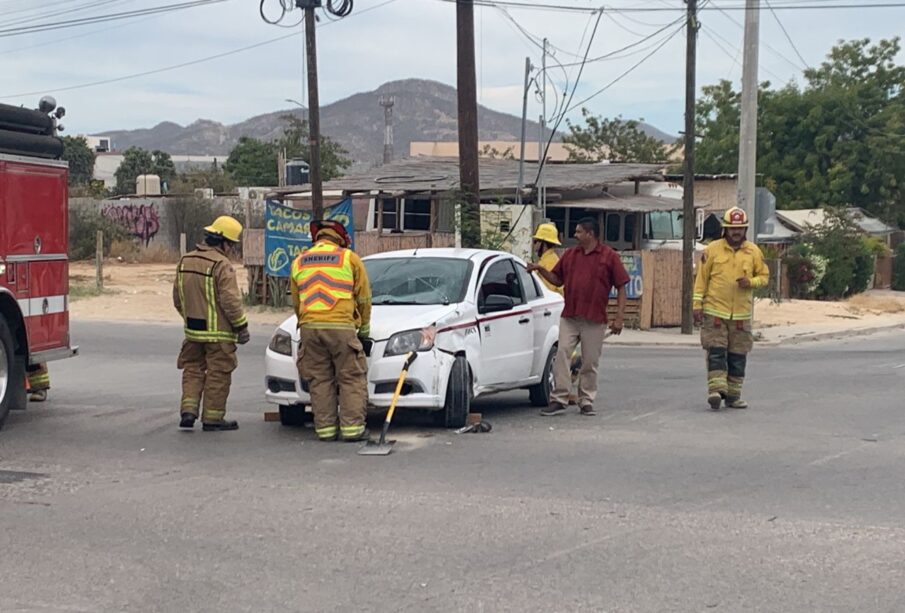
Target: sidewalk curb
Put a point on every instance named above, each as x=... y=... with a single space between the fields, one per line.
x=797 y=339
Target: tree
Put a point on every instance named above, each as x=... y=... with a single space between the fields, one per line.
x=253 y=162
x=215 y=179
x=834 y=141
x=81 y=160
x=138 y=161
x=615 y=140
x=295 y=141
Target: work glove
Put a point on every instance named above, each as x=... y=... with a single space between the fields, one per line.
x=698 y=318
x=366 y=343
x=244 y=336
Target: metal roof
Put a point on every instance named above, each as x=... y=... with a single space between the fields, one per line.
x=803 y=219
x=631 y=204
x=426 y=174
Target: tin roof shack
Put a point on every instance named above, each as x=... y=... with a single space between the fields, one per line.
x=412 y=202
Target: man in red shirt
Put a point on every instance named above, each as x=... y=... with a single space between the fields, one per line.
x=587 y=271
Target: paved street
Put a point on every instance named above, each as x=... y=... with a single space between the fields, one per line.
x=656 y=504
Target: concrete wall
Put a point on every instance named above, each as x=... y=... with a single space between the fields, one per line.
x=157 y=220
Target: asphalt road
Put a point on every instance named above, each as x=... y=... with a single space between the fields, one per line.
x=656 y=504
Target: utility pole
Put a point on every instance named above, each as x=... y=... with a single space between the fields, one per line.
x=387 y=103
x=469 y=177
x=314 y=113
x=541 y=158
x=747 y=142
x=521 y=160
x=689 y=231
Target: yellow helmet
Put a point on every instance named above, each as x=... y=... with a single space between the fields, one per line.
x=735 y=218
x=227 y=227
x=547 y=232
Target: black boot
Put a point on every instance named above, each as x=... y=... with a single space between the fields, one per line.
x=222 y=425
x=187 y=420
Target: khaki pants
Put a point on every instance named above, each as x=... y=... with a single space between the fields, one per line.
x=572 y=331
x=727 y=343
x=206 y=373
x=328 y=359
x=38 y=378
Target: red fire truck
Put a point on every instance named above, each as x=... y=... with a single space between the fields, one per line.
x=34 y=242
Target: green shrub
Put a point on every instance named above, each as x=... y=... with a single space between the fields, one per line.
x=83 y=227
x=898 y=269
x=863 y=267
x=805 y=269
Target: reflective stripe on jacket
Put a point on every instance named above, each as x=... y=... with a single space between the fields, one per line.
x=716 y=289
x=330 y=288
x=207 y=296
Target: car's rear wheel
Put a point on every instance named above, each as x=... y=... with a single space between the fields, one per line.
x=458 y=396
x=294 y=415
x=540 y=393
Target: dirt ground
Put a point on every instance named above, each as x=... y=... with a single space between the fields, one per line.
x=143 y=292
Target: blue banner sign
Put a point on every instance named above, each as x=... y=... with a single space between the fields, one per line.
x=287 y=233
x=635 y=287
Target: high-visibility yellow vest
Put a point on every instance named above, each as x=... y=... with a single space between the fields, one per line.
x=324 y=276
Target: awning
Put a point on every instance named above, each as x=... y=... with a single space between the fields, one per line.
x=629 y=204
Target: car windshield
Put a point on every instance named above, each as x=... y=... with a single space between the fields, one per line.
x=418 y=280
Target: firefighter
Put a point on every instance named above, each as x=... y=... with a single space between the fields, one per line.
x=731 y=268
x=546 y=237
x=332 y=296
x=207 y=296
x=38 y=382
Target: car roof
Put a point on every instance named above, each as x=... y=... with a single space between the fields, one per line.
x=439 y=252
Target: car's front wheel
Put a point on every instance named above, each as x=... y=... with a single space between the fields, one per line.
x=458 y=396
x=540 y=393
x=294 y=415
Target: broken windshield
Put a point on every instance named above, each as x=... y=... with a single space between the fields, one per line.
x=418 y=280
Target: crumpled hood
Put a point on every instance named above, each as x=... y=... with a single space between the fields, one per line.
x=387 y=320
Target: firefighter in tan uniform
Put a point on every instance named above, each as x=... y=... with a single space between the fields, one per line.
x=332 y=297
x=38 y=382
x=731 y=269
x=207 y=296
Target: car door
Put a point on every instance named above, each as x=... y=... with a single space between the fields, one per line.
x=543 y=316
x=506 y=326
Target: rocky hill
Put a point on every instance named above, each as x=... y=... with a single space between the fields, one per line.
x=424 y=111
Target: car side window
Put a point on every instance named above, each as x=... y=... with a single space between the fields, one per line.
x=532 y=291
x=501 y=280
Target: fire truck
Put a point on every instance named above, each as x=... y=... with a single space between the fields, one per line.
x=34 y=245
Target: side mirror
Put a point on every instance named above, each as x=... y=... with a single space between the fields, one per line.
x=496 y=303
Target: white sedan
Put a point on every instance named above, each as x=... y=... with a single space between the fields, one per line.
x=479 y=320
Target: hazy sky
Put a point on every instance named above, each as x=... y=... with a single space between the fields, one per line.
x=384 y=41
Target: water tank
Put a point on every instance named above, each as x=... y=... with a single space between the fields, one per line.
x=297 y=172
x=147 y=185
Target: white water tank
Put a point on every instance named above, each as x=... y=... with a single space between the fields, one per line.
x=147 y=185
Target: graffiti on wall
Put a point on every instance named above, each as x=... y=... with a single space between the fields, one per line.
x=142 y=221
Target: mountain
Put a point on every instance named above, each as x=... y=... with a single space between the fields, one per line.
x=423 y=111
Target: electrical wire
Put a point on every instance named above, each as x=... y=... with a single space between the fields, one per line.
x=800 y=5
x=183 y=64
x=788 y=38
x=9 y=32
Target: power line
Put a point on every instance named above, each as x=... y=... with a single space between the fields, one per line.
x=788 y=38
x=8 y=32
x=712 y=32
x=655 y=9
x=184 y=64
x=778 y=53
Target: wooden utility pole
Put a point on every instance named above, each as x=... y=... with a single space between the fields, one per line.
x=99 y=261
x=689 y=230
x=747 y=143
x=314 y=117
x=469 y=177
